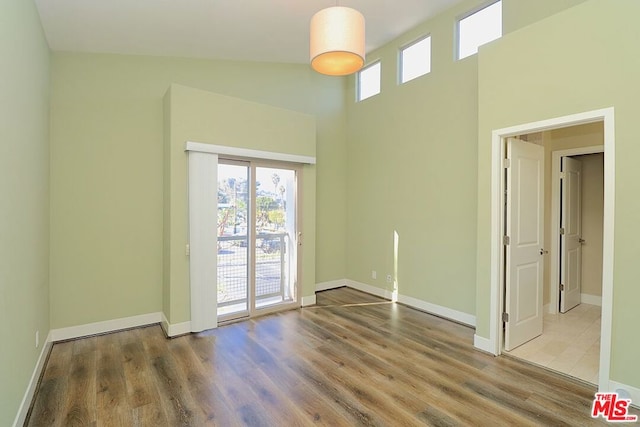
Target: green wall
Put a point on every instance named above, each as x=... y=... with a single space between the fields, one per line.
x=24 y=199
x=520 y=13
x=584 y=60
x=107 y=171
x=412 y=167
x=200 y=116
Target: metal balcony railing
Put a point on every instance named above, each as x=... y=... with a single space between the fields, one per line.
x=233 y=267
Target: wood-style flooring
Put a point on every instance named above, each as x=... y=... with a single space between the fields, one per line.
x=353 y=359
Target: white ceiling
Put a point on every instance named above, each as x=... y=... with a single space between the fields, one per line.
x=257 y=30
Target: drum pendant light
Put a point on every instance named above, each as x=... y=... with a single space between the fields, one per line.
x=337 y=41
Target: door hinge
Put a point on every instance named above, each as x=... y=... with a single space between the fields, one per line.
x=505 y=240
x=507 y=163
x=562 y=231
x=563 y=175
x=562 y=286
x=505 y=317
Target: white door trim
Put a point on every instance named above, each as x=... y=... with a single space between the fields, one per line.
x=605 y=115
x=554 y=267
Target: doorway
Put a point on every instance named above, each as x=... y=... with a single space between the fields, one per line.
x=569 y=341
x=257 y=254
x=497 y=325
x=591 y=161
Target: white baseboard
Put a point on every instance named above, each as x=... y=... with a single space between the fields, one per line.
x=483 y=344
x=591 y=299
x=307 y=301
x=373 y=290
x=634 y=392
x=438 y=310
x=333 y=284
x=21 y=416
x=104 y=327
x=175 y=329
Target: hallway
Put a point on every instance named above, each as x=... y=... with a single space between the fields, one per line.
x=570 y=343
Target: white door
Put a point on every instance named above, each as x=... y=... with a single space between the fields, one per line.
x=570 y=234
x=524 y=248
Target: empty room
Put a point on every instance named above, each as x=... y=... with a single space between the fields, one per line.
x=335 y=213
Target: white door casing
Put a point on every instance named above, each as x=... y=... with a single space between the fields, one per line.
x=494 y=342
x=524 y=250
x=571 y=234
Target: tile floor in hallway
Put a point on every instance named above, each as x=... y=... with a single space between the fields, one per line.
x=570 y=343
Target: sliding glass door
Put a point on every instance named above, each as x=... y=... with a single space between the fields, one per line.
x=257 y=238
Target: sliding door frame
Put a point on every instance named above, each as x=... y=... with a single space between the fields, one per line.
x=252 y=309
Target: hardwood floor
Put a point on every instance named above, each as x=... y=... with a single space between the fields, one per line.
x=353 y=359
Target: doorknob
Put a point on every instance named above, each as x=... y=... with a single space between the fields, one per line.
x=542 y=251
x=581 y=241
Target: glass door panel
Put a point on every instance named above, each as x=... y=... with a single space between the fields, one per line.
x=275 y=231
x=233 y=240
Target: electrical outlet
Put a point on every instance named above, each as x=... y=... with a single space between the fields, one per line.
x=389 y=278
x=37 y=339
x=374 y=274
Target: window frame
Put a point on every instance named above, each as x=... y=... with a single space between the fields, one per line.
x=464 y=16
x=406 y=46
x=358 y=80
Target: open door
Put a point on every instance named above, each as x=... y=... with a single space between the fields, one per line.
x=524 y=242
x=570 y=234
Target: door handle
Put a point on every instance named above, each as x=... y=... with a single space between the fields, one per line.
x=543 y=252
x=581 y=241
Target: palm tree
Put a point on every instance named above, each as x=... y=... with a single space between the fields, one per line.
x=275 y=178
x=281 y=190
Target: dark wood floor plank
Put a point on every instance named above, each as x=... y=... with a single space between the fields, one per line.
x=48 y=408
x=177 y=402
x=432 y=385
x=151 y=414
x=80 y=408
x=205 y=393
x=59 y=362
x=355 y=412
x=258 y=370
x=353 y=359
x=110 y=382
x=140 y=389
x=317 y=408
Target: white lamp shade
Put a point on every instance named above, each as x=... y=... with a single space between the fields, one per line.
x=337 y=41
